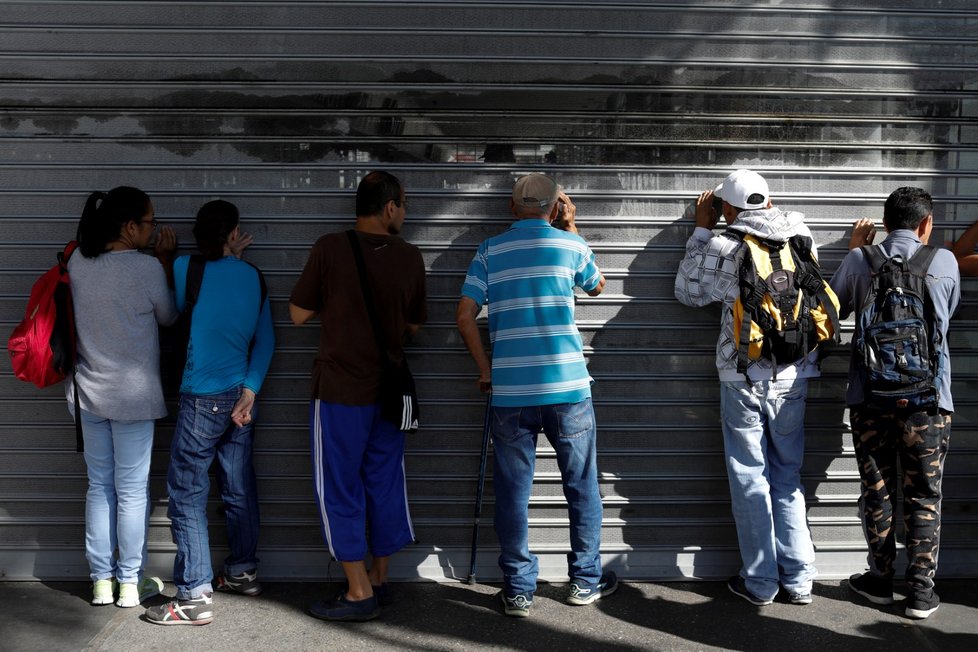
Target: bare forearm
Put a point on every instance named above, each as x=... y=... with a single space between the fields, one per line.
x=965 y=245
x=964 y=251
x=469 y=330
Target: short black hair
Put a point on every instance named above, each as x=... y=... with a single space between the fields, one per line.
x=215 y=221
x=906 y=208
x=375 y=190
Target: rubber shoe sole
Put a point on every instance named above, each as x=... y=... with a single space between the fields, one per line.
x=919 y=608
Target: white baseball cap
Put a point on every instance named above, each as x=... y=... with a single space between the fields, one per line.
x=740 y=186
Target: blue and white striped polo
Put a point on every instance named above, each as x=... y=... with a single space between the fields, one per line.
x=527 y=277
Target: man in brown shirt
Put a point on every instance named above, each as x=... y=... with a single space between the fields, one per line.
x=358 y=457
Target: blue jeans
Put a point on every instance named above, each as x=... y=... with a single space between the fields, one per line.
x=204 y=429
x=570 y=429
x=117 y=454
x=764 y=442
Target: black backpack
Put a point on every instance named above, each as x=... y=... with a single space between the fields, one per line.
x=785 y=309
x=896 y=346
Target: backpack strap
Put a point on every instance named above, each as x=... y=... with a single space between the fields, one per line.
x=918 y=265
x=195 y=278
x=920 y=262
x=874 y=256
x=751 y=295
x=261 y=301
x=808 y=276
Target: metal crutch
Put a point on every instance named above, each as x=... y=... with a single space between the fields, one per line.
x=481 y=486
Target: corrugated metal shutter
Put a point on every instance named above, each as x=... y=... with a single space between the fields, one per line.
x=635 y=106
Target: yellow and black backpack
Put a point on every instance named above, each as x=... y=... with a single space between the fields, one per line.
x=785 y=309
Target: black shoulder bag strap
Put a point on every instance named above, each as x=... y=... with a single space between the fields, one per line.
x=368 y=297
x=195 y=278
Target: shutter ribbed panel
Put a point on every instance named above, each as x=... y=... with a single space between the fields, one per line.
x=636 y=107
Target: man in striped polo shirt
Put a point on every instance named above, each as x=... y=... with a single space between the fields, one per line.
x=539 y=381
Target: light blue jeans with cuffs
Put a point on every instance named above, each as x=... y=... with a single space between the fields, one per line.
x=764 y=443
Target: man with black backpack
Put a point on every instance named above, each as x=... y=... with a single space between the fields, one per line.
x=903 y=293
x=777 y=311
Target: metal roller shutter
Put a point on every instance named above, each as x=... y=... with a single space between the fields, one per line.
x=636 y=107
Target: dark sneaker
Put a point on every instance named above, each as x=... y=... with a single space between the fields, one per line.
x=518 y=606
x=346 y=610
x=582 y=593
x=800 y=598
x=198 y=611
x=246 y=583
x=922 y=604
x=876 y=589
x=738 y=586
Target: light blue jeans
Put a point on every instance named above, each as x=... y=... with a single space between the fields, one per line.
x=571 y=431
x=117 y=454
x=764 y=441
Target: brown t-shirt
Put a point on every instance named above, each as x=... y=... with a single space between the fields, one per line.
x=347 y=366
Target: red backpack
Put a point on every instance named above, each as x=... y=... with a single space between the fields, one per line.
x=42 y=346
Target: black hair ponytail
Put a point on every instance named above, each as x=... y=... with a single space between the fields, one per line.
x=104 y=215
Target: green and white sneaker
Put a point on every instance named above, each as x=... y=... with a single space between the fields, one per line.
x=103 y=592
x=130 y=595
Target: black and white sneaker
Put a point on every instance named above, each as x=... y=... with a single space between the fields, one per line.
x=738 y=587
x=199 y=611
x=246 y=583
x=922 y=604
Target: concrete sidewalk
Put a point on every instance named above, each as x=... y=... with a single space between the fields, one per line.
x=444 y=616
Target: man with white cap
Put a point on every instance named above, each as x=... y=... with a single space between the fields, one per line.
x=539 y=381
x=763 y=414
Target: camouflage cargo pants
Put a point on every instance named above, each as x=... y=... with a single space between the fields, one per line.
x=920 y=442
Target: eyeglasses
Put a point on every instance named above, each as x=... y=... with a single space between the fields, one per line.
x=151 y=222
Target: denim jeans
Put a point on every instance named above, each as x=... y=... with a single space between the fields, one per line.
x=204 y=429
x=117 y=454
x=764 y=442
x=571 y=431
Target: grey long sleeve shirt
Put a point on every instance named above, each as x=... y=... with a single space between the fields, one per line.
x=119 y=298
